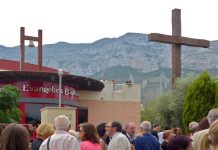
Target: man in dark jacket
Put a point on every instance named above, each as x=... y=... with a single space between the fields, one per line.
x=147 y=141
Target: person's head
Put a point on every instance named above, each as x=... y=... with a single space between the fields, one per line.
x=14 y=137
x=44 y=130
x=212 y=115
x=167 y=134
x=211 y=138
x=193 y=126
x=145 y=127
x=156 y=127
x=88 y=132
x=109 y=130
x=166 y=128
x=32 y=126
x=130 y=128
x=180 y=142
x=176 y=131
x=101 y=129
x=203 y=124
x=62 y=122
x=117 y=126
x=113 y=127
x=179 y=131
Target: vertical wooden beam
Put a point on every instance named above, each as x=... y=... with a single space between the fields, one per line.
x=40 y=49
x=176 y=48
x=22 y=48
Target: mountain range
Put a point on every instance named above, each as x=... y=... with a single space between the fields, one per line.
x=128 y=57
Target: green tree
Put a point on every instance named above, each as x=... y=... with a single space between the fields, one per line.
x=170 y=104
x=200 y=98
x=150 y=112
x=9 y=111
x=165 y=108
x=178 y=96
x=216 y=82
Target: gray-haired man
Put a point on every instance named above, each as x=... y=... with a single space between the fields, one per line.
x=61 y=139
x=197 y=137
x=147 y=141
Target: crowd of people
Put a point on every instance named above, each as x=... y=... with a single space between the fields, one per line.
x=110 y=136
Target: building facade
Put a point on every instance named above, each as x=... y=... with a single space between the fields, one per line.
x=95 y=101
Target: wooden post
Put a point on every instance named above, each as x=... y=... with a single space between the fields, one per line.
x=176 y=48
x=22 y=48
x=40 y=49
x=38 y=39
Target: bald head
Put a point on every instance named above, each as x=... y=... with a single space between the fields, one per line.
x=62 y=122
x=130 y=128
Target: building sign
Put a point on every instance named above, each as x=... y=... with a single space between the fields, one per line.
x=47 y=90
x=38 y=89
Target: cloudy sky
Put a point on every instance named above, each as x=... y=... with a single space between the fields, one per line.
x=85 y=21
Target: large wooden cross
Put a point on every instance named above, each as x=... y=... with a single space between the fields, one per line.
x=177 y=40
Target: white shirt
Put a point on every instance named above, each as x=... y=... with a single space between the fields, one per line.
x=119 y=142
x=160 y=137
x=61 y=140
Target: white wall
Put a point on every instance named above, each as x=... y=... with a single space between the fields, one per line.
x=114 y=92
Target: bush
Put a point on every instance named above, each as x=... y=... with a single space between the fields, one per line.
x=170 y=104
x=9 y=111
x=150 y=112
x=200 y=98
x=178 y=96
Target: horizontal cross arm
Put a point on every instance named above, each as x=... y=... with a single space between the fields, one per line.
x=178 y=40
x=31 y=38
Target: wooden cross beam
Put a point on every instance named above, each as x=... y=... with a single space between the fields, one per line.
x=177 y=40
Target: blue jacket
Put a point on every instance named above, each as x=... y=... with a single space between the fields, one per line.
x=146 y=142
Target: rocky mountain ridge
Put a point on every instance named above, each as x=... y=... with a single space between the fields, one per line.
x=132 y=49
x=131 y=52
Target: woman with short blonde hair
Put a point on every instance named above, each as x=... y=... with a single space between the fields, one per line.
x=43 y=131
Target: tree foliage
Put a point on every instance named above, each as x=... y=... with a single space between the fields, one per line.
x=150 y=112
x=167 y=109
x=216 y=83
x=170 y=105
x=164 y=108
x=178 y=96
x=200 y=98
x=9 y=111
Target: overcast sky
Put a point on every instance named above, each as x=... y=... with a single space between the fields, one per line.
x=85 y=21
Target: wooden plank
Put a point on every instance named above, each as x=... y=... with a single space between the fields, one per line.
x=176 y=22
x=22 y=48
x=176 y=48
x=40 y=49
x=178 y=40
x=31 y=38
